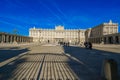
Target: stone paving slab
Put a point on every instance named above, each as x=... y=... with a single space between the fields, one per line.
x=39 y=66
x=54 y=62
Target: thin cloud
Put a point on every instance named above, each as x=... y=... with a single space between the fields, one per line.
x=51 y=11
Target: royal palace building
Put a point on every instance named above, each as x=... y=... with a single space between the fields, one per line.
x=105 y=33
x=59 y=34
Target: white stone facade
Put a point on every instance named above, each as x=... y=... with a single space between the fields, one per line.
x=104 y=29
x=103 y=33
x=59 y=34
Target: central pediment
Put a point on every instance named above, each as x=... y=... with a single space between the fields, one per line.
x=59 y=27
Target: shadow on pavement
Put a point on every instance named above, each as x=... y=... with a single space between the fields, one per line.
x=7 y=53
x=89 y=68
x=7 y=71
x=91 y=61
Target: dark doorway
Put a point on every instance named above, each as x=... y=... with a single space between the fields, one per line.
x=105 y=40
x=48 y=41
x=116 y=39
x=110 y=39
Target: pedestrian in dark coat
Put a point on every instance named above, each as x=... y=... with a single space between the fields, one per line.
x=85 y=44
x=89 y=45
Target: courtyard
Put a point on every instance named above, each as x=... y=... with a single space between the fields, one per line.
x=55 y=62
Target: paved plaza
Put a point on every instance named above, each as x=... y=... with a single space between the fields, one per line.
x=54 y=62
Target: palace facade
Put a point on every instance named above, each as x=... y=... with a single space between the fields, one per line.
x=59 y=34
x=105 y=33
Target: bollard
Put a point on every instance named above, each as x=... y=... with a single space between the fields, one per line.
x=110 y=70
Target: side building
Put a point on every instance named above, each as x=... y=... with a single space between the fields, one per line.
x=59 y=34
x=106 y=33
x=13 y=38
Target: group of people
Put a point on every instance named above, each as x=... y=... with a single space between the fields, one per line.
x=64 y=43
x=88 y=45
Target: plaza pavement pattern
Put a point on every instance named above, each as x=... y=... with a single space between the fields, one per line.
x=52 y=62
x=47 y=62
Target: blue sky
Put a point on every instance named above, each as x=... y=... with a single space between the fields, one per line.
x=73 y=14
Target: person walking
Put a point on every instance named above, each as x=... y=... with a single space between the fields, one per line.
x=89 y=45
x=86 y=44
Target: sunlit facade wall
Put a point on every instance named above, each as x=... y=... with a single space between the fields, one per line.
x=106 y=33
x=59 y=34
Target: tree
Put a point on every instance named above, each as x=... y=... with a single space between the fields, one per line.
x=15 y=31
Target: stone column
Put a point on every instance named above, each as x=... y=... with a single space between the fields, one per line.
x=7 y=38
x=11 y=39
x=20 y=39
x=14 y=40
x=17 y=39
x=23 y=39
x=3 y=38
x=26 y=39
